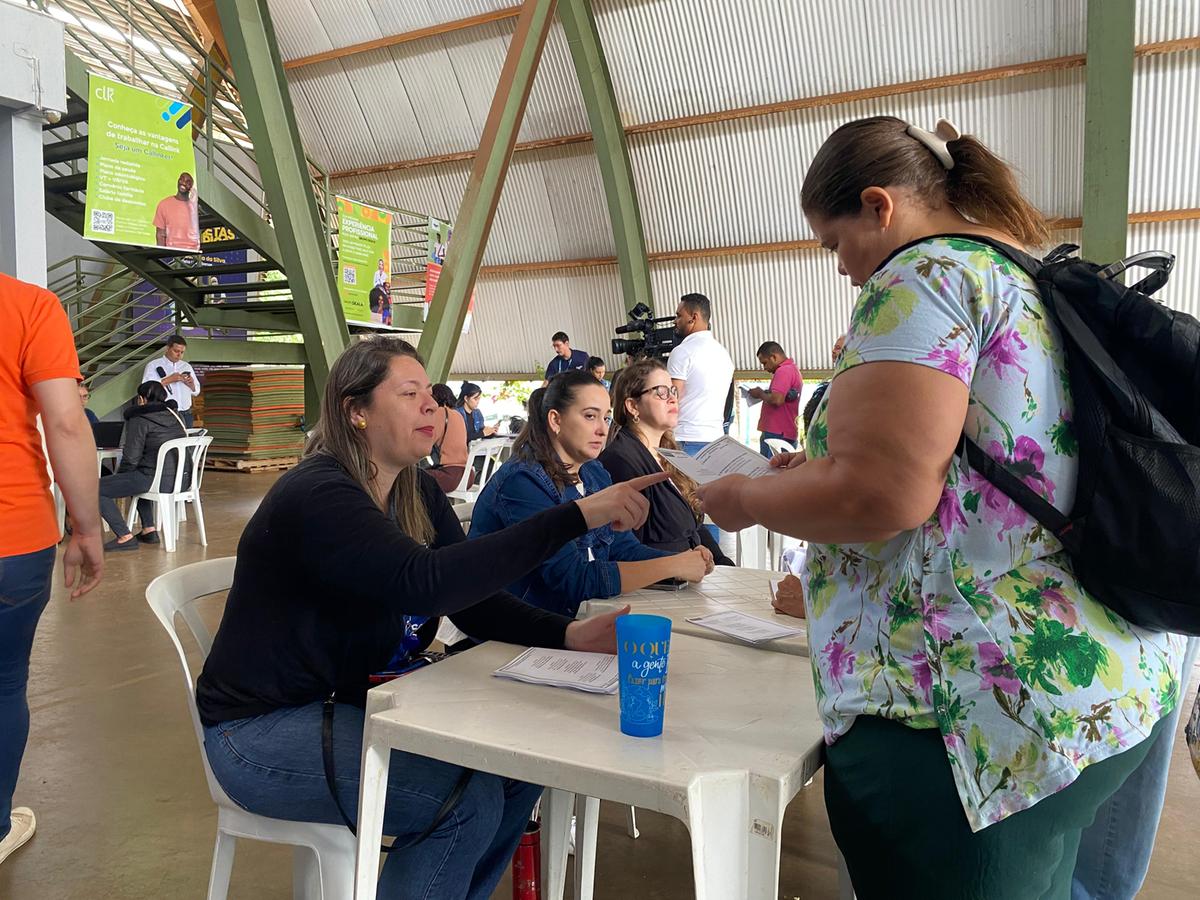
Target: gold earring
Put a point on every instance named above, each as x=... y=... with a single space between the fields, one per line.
x=636 y=418
x=362 y=424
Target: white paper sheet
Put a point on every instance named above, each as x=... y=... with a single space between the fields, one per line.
x=724 y=456
x=750 y=401
x=595 y=673
x=744 y=627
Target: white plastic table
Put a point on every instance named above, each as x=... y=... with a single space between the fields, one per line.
x=104 y=455
x=728 y=587
x=741 y=738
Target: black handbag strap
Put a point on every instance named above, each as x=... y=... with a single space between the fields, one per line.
x=331 y=781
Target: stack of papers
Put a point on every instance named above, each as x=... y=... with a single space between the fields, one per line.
x=724 y=456
x=595 y=673
x=745 y=628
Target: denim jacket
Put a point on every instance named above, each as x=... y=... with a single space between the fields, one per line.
x=521 y=489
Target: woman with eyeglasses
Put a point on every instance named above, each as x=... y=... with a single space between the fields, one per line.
x=645 y=411
x=553 y=461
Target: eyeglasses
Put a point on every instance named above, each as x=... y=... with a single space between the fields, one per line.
x=662 y=392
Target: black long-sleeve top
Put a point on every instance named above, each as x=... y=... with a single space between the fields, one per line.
x=671 y=524
x=324 y=579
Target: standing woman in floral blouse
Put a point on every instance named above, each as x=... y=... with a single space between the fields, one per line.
x=978 y=704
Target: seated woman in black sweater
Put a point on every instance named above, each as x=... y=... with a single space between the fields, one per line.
x=645 y=409
x=342 y=572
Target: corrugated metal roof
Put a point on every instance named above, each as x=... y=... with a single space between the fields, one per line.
x=730 y=183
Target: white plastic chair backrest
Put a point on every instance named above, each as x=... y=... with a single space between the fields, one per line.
x=175 y=594
x=192 y=462
x=778 y=445
x=463 y=511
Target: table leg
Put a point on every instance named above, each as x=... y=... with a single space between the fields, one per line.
x=372 y=798
x=718 y=819
x=556 y=830
x=767 y=806
x=587 y=822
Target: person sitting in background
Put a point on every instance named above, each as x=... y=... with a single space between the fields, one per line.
x=554 y=460
x=468 y=407
x=781 y=401
x=84 y=396
x=597 y=370
x=342 y=572
x=645 y=409
x=450 y=448
x=149 y=423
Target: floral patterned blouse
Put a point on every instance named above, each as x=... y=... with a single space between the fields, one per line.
x=973 y=623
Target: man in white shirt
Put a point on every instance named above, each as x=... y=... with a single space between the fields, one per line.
x=702 y=371
x=178 y=377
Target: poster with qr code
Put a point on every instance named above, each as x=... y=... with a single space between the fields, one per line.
x=141 y=176
x=365 y=261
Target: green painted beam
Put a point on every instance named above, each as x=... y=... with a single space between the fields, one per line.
x=612 y=151
x=1107 y=127
x=262 y=86
x=473 y=224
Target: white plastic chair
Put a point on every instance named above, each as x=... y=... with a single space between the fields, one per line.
x=323 y=862
x=493 y=452
x=189 y=455
x=779 y=445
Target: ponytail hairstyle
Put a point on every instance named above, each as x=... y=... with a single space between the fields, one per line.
x=361 y=368
x=535 y=443
x=879 y=151
x=630 y=384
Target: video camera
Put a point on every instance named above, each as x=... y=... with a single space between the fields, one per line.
x=656 y=339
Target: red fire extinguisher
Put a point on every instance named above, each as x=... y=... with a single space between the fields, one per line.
x=527 y=865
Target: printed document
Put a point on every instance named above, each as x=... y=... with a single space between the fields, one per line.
x=746 y=628
x=724 y=456
x=595 y=673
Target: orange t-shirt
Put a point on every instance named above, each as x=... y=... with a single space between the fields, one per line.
x=35 y=345
x=175 y=217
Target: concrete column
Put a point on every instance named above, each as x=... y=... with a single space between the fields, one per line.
x=22 y=197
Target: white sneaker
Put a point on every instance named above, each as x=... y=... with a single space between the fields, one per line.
x=23 y=826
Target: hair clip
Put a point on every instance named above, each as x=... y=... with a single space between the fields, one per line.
x=936 y=140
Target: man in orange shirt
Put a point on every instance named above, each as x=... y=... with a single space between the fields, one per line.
x=175 y=221
x=39 y=373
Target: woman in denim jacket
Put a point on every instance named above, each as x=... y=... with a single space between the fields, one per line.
x=554 y=460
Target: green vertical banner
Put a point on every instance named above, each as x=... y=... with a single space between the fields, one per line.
x=141 y=177
x=364 y=262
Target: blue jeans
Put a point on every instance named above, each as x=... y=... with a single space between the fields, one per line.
x=1114 y=853
x=762 y=442
x=272 y=765
x=24 y=593
x=125 y=484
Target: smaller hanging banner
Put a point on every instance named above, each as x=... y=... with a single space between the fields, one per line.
x=439 y=242
x=365 y=262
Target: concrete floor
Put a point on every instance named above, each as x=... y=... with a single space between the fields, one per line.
x=112 y=766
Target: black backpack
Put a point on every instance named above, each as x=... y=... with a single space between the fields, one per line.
x=1133 y=535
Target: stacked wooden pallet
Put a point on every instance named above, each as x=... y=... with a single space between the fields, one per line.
x=253 y=415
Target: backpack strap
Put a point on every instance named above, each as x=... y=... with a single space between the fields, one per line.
x=1018 y=491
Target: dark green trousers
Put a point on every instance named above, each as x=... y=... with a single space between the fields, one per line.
x=897 y=818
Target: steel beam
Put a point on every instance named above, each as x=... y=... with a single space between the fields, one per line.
x=474 y=220
x=250 y=39
x=612 y=151
x=1107 y=126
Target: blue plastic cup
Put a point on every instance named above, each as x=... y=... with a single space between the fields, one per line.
x=642 y=646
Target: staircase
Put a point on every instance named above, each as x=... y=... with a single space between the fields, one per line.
x=118 y=306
